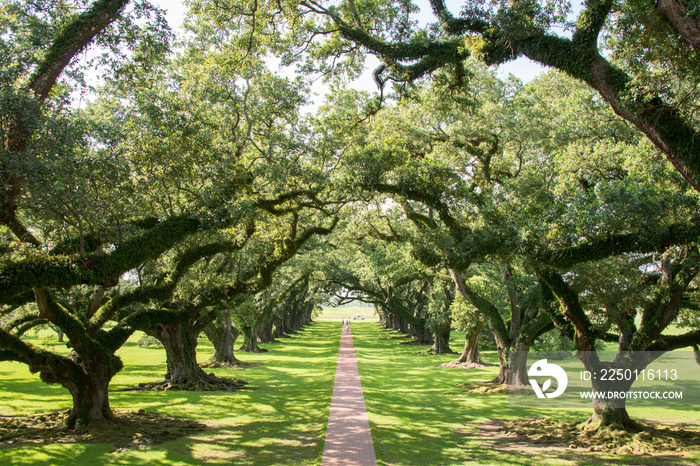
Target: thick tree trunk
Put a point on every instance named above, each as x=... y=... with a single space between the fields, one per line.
x=223 y=337
x=250 y=342
x=688 y=26
x=502 y=377
x=280 y=329
x=399 y=325
x=512 y=369
x=180 y=342
x=383 y=320
x=442 y=341
x=264 y=331
x=610 y=413
x=471 y=356
x=296 y=321
x=609 y=410
x=90 y=400
x=393 y=322
x=421 y=335
x=517 y=368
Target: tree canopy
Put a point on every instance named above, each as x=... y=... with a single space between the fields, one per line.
x=189 y=189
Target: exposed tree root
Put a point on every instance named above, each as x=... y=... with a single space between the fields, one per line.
x=208 y=383
x=593 y=437
x=257 y=349
x=467 y=365
x=433 y=352
x=484 y=387
x=127 y=430
x=593 y=425
x=219 y=363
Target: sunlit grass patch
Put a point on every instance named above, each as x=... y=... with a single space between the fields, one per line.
x=280 y=419
x=423 y=414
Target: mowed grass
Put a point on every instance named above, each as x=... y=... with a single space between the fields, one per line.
x=418 y=413
x=420 y=416
x=279 y=420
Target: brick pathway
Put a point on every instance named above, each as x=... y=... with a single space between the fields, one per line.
x=348 y=436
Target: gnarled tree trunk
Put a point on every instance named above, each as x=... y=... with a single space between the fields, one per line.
x=442 y=341
x=180 y=342
x=250 y=342
x=471 y=356
x=90 y=400
x=265 y=332
x=421 y=335
x=223 y=337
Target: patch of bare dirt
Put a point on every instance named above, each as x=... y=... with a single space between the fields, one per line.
x=666 y=443
x=128 y=430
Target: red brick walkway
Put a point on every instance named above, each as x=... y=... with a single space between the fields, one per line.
x=348 y=436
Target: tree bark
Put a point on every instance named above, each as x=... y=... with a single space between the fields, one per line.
x=471 y=356
x=281 y=328
x=676 y=12
x=512 y=361
x=90 y=400
x=180 y=342
x=609 y=413
x=250 y=342
x=223 y=337
x=264 y=331
x=442 y=341
x=421 y=334
x=517 y=367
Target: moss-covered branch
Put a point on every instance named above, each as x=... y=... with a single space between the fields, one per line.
x=639 y=242
x=96 y=268
x=53 y=368
x=662 y=308
x=52 y=311
x=673 y=342
x=486 y=307
x=571 y=308
x=71 y=40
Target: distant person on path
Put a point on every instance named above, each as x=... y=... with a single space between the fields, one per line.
x=346 y=325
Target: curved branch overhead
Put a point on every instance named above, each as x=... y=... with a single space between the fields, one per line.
x=511 y=32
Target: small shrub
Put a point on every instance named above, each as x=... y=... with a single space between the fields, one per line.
x=147 y=341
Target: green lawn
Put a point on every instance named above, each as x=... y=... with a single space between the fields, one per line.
x=418 y=413
x=280 y=420
x=420 y=416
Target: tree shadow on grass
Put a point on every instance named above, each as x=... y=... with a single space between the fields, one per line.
x=259 y=442
x=421 y=414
